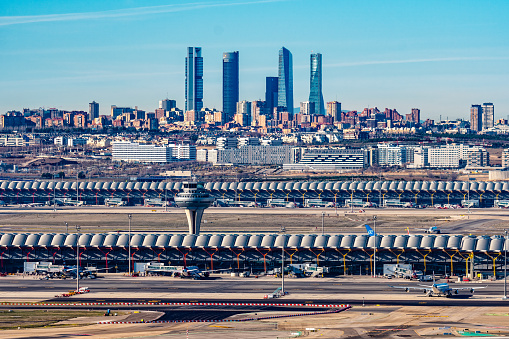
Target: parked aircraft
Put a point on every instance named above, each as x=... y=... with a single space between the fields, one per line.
x=180 y=271
x=439 y=290
x=64 y=272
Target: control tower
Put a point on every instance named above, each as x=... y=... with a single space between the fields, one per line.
x=195 y=200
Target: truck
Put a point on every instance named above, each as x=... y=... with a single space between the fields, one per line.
x=397 y=203
x=155 y=202
x=114 y=202
x=317 y=203
x=502 y=203
x=359 y=203
x=470 y=203
x=70 y=202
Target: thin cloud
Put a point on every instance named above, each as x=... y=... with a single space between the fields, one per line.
x=17 y=20
x=412 y=61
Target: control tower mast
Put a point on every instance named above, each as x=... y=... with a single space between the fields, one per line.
x=195 y=199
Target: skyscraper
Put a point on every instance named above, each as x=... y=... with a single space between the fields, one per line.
x=271 y=84
x=93 y=110
x=476 y=118
x=230 y=83
x=285 y=80
x=194 y=79
x=315 y=83
x=488 y=115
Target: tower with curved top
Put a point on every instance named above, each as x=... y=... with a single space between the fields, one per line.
x=195 y=199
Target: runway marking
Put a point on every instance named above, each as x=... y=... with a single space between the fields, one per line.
x=343 y=308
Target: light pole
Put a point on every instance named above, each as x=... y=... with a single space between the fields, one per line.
x=374 y=252
x=77 y=188
x=78 y=258
x=468 y=188
x=283 y=230
x=130 y=217
x=66 y=228
x=505 y=265
x=323 y=215
x=54 y=194
x=165 y=199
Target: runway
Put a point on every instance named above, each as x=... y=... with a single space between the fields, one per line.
x=343 y=290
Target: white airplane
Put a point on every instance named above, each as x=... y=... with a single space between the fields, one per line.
x=439 y=290
x=183 y=272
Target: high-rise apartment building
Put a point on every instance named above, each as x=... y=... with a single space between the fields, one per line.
x=334 y=110
x=257 y=110
x=194 y=79
x=271 y=84
x=315 y=83
x=230 y=83
x=476 y=118
x=243 y=115
x=488 y=115
x=285 y=80
x=482 y=116
x=93 y=110
x=307 y=107
x=415 y=116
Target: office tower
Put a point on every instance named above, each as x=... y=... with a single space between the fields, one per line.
x=315 y=84
x=194 y=79
x=488 y=115
x=476 y=118
x=285 y=80
x=271 y=84
x=230 y=83
x=334 y=110
x=93 y=110
x=167 y=104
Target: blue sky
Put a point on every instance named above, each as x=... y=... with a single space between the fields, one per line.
x=439 y=56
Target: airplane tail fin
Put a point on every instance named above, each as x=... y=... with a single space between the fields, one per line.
x=433 y=277
x=370 y=231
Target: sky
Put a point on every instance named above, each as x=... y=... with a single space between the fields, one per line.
x=439 y=56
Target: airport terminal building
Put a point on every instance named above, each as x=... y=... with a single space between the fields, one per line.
x=485 y=193
x=343 y=254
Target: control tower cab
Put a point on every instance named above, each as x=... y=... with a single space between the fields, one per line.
x=195 y=199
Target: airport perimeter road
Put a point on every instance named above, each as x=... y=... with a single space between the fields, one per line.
x=348 y=290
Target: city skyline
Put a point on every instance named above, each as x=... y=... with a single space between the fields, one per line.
x=428 y=56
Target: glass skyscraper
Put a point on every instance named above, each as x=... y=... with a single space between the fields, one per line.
x=270 y=94
x=230 y=84
x=194 y=79
x=315 y=84
x=285 y=80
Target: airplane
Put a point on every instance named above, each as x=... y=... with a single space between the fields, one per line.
x=64 y=272
x=439 y=290
x=181 y=271
x=370 y=231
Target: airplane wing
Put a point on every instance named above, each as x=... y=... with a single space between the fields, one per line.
x=408 y=288
x=468 y=288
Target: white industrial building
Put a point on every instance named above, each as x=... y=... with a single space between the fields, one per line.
x=135 y=152
x=329 y=159
x=250 y=155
